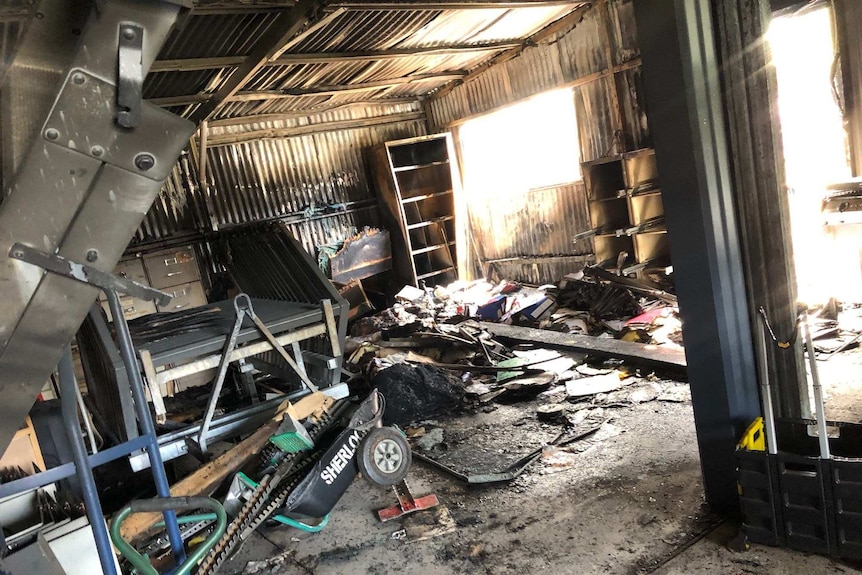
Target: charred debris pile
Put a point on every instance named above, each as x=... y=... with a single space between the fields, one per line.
x=566 y=354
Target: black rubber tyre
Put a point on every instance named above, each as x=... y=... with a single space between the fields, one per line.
x=384 y=456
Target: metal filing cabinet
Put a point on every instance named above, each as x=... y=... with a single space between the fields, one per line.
x=173 y=271
x=132 y=307
x=172 y=268
x=184 y=296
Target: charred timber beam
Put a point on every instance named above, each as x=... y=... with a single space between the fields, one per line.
x=228 y=139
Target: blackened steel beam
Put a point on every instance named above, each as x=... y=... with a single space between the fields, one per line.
x=749 y=90
x=687 y=123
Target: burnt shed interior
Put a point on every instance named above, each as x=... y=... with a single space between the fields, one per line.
x=586 y=273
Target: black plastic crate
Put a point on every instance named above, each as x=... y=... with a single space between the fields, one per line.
x=759 y=496
x=847 y=503
x=806 y=503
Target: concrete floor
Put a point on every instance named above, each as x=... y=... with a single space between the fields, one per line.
x=622 y=505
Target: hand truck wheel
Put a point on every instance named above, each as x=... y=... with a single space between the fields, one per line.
x=384 y=456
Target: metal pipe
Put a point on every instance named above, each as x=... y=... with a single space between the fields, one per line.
x=80 y=399
x=69 y=408
x=163 y=488
x=818 y=391
x=765 y=387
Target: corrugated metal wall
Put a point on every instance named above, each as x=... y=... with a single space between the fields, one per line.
x=600 y=61
x=317 y=182
x=531 y=242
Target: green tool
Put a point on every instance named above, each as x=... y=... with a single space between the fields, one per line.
x=291 y=436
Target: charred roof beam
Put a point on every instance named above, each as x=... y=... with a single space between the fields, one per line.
x=205 y=99
x=355 y=5
x=194 y=64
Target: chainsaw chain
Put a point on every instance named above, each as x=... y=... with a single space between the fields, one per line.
x=261 y=504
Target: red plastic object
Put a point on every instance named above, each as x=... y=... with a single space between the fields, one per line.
x=407 y=503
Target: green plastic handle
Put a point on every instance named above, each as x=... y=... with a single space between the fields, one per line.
x=142 y=563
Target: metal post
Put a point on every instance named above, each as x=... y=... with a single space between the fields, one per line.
x=818 y=391
x=687 y=124
x=69 y=407
x=163 y=488
x=766 y=388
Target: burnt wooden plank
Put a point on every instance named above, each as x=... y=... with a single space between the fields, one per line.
x=639 y=353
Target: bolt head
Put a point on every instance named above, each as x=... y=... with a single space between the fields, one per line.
x=92 y=255
x=129 y=33
x=144 y=162
x=52 y=134
x=97 y=151
x=78 y=78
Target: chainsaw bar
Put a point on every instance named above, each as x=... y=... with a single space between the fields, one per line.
x=266 y=499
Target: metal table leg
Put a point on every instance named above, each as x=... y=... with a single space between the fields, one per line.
x=69 y=406
x=163 y=488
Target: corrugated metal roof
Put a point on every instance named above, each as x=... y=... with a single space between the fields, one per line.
x=215 y=35
x=576 y=57
x=205 y=40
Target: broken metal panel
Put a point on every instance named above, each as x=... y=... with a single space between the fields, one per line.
x=81 y=189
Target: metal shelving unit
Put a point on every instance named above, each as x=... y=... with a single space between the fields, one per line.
x=416 y=182
x=627 y=214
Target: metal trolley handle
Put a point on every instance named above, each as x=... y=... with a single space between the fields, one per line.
x=160 y=505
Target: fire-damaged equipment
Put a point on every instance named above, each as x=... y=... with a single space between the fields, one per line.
x=89 y=156
x=300 y=487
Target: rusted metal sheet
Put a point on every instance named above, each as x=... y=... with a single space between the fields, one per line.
x=363 y=255
x=624 y=31
x=211 y=35
x=268 y=178
x=633 y=105
x=581 y=51
x=530 y=235
x=577 y=57
x=595 y=119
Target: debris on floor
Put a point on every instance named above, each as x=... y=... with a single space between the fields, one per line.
x=565 y=356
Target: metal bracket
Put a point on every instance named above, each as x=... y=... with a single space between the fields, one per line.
x=242 y=307
x=86 y=274
x=130 y=75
